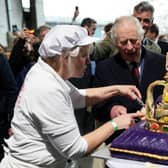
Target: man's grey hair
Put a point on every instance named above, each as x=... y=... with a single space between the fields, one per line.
x=144 y=6
x=119 y=22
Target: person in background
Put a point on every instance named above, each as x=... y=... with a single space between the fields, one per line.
x=163 y=43
x=40 y=34
x=29 y=55
x=8 y=94
x=90 y=25
x=5 y=51
x=76 y=14
x=104 y=49
x=153 y=33
x=134 y=64
x=163 y=37
x=20 y=55
x=144 y=12
x=2 y=49
x=45 y=131
x=25 y=52
x=84 y=117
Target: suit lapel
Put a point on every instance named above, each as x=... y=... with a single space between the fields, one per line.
x=123 y=71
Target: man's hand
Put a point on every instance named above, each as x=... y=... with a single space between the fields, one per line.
x=117 y=110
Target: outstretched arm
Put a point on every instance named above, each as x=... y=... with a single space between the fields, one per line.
x=96 y=95
x=96 y=137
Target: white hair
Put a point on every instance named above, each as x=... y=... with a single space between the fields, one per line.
x=120 y=21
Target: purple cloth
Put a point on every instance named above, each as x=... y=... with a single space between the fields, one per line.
x=137 y=138
x=158 y=100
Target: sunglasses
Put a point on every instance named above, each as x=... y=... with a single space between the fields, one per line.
x=145 y=20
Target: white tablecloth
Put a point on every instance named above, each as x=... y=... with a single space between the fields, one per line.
x=104 y=153
x=122 y=163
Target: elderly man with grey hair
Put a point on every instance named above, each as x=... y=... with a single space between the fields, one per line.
x=45 y=131
x=134 y=65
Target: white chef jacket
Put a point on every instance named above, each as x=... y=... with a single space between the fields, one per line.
x=45 y=129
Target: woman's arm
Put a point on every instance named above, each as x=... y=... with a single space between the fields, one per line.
x=95 y=138
x=96 y=95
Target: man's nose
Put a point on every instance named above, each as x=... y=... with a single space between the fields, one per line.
x=129 y=45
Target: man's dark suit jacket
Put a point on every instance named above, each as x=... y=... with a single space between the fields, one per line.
x=115 y=71
x=8 y=94
x=164 y=46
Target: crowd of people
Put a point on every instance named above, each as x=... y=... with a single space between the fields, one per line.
x=56 y=82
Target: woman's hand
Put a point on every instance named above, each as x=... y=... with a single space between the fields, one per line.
x=130 y=91
x=142 y=111
x=127 y=120
x=96 y=95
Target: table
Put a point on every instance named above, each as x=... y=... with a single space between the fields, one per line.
x=123 y=163
x=104 y=153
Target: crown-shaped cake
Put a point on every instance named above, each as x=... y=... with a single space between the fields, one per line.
x=147 y=140
x=157 y=113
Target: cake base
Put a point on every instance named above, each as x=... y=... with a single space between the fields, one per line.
x=138 y=143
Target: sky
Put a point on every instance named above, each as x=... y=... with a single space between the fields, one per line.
x=97 y=9
x=103 y=11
